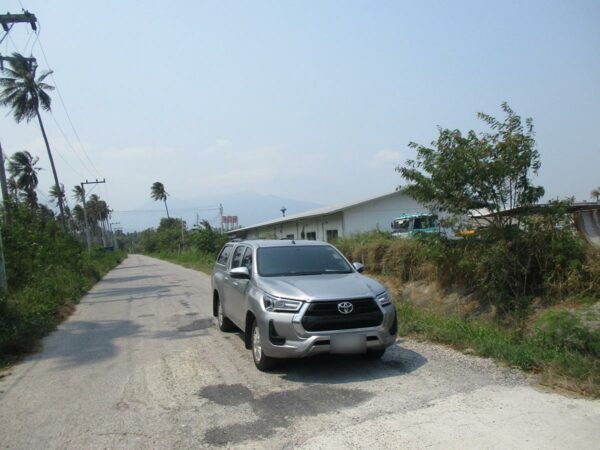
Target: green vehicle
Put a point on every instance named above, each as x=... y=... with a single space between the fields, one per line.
x=407 y=225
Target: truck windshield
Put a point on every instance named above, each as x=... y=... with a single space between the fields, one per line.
x=300 y=260
x=401 y=225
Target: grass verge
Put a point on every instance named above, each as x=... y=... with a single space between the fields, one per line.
x=555 y=365
x=28 y=314
x=188 y=258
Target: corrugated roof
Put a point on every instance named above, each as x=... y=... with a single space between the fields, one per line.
x=315 y=212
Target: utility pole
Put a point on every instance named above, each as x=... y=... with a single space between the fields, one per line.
x=221 y=215
x=4 y=187
x=7 y=20
x=85 y=217
x=115 y=246
x=3 y=285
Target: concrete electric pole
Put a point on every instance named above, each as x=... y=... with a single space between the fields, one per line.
x=85 y=217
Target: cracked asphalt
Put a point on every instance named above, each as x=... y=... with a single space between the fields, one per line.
x=141 y=364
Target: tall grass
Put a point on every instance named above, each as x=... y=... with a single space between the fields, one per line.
x=543 y=281
x=48 y=271
x=556 y=363
x=193 y=259
x=29 y=313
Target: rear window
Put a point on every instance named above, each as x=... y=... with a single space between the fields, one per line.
x=300 y=260
x=224 y=255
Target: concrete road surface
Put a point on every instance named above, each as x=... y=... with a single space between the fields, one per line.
x=141 y=364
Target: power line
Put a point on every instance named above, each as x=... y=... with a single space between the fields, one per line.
x=60 y=97
x=84 y=165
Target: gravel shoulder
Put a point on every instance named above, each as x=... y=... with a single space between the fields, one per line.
x=141 y=364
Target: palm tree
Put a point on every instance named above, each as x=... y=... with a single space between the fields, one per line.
x=24 y=173
x=25 y=95
x=57 y=195
x=596 y=193
x=13 y=190
x=78 y=194
x=158 y=193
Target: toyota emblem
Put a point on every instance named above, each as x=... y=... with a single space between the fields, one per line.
x=345 y=307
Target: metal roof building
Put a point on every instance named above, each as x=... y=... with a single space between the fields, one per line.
x=334 y=221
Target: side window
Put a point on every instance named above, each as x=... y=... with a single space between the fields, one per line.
x=332 y=235
x=247 y=259
x=311 y=236
x=237 y=256
x=224 y=255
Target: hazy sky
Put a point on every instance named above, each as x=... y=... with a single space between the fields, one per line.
x=314 y=100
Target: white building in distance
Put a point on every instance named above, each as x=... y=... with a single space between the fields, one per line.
x=331 y=222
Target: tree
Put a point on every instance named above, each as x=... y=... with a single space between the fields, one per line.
x=158 y=193
x=25 y=95
x=595 y=194
x=57 y=195
x=78 y=194
x=24 y=173
x=491 y=170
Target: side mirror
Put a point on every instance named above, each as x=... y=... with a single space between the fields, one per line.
x=359 y=267
x=240 y=272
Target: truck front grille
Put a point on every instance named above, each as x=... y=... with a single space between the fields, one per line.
x=325 y=316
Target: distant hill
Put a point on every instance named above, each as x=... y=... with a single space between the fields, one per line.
x=250 y=208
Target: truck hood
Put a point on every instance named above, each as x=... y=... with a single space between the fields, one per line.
x=321 y=287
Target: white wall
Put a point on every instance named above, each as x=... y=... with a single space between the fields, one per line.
x=376 y=214
x=379 y=213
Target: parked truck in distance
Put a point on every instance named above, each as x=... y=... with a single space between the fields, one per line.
x=407 y=225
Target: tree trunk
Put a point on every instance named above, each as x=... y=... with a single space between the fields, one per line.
x=167 y=209
x=60 y=200
x=4 y=187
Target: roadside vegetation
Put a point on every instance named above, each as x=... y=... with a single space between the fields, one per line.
x=173 y=241
x=44 y=267
x=524 y=288
x=464 y=293
x=47 y=272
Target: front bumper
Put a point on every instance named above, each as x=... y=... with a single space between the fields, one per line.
x=283 y=335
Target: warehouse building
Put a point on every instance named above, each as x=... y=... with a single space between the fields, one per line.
x=331 y=222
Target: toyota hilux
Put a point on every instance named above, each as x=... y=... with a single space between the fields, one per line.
x=300 y=298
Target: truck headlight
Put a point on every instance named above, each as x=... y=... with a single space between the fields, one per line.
x=280 y=304
x=384 y=299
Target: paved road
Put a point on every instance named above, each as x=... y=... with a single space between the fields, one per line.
x=141 y=365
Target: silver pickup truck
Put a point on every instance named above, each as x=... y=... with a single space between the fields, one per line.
x=299 y=298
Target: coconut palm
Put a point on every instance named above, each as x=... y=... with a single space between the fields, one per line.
x=56 y=195
x=78 y=218
x=25 y=95
x=78 y=194
x=21 y=167
x=596 y=193
x=158 y=193
x=13 y=190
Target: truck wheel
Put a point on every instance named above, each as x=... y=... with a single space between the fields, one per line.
x=262 y=361
x=224 y=323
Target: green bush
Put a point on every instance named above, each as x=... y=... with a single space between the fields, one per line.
x=562 y=329
x=506 y=268
x=47 y=271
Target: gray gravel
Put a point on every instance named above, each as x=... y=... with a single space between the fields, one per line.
x=141 y=365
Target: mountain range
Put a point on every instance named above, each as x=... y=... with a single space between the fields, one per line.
x=249 y=207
